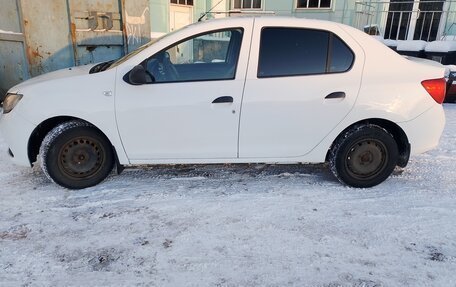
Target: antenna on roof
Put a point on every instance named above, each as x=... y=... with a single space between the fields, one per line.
x=202 y=16
x=252 y=12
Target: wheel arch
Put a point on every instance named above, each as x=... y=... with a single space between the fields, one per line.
x=396 y=131
x=38 y=134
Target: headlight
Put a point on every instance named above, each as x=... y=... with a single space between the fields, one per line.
x=10 y=102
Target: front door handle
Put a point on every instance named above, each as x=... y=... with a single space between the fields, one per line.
x=335 y=95
x=224 y=99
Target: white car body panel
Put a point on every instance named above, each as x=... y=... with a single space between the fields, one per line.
x=68 y=93
x=147 y=128
x=51 y=76
x=434 y=122
x=265 y=132
x=16 y=130
x=201 y=130
x=402 y=101
x=402 y=98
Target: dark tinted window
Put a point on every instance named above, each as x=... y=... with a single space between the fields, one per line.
x=325 y=3
x=289 y=51
x=247 y=4
x=341 y=56
x=302 y=3
x=182 y=2
x=313 y=3
x=294 y=51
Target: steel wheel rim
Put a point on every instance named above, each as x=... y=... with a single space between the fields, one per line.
x=366 y=159
x=81 y=157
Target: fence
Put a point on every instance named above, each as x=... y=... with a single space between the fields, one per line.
x=406 y=20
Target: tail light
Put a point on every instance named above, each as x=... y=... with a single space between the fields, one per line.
x=436 y=88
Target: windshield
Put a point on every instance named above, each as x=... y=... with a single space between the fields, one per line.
x=134 y=53
x=140 y=49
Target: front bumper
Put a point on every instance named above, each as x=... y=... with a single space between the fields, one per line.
x=16 y=131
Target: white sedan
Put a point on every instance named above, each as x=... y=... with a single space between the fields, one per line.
x=235 y=90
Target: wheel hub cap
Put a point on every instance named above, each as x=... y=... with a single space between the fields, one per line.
x=366 y=158
x=81 y=157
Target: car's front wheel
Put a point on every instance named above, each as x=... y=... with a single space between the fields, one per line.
x=364 y=156
x=76 y=155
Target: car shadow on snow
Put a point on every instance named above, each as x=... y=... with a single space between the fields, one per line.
x=192 y=176
x=226 y=178
x=224 y=170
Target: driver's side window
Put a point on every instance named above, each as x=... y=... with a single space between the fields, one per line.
x=211 y=56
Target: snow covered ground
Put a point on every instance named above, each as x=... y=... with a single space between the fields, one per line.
x=216 y=225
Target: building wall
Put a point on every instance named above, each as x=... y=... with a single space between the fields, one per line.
x=367 y=12
x=159 y=16
x=450 y=24
x=160 y=13
x=342 y=11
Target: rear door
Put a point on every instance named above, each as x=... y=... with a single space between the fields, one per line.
x=301 y=82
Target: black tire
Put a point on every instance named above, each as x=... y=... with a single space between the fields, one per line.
x=76 y=155
x=363 y=156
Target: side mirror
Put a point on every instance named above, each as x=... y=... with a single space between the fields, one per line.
x=137 y=75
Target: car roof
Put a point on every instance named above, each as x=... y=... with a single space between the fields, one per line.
x=271 y=19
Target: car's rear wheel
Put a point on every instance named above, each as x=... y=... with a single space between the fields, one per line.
x=76 y=155
x=364 y=156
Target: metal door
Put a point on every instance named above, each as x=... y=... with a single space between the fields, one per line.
x=98 y=32
x=137 y=23
x=45 y=25
x=42 y=36
x=13 y=63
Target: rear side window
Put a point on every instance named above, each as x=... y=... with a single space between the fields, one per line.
x=341 y=57
x=295 y=51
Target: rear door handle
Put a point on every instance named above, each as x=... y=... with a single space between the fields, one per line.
x=335 y=95
x=224 y=99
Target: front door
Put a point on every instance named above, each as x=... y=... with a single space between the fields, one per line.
x=190 y=108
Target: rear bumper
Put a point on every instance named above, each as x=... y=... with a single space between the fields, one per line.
x=424 y=131
x=16 y=131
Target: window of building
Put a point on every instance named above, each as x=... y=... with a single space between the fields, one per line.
x=293 y=51
x=182 y=2
x=318 y=4
x=247 y=4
